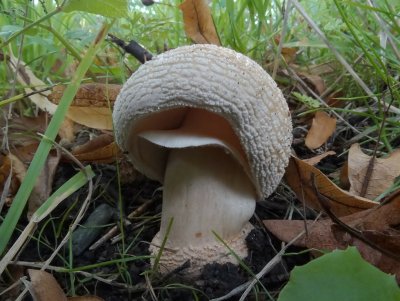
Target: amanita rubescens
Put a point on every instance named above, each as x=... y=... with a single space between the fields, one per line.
x=214 y=128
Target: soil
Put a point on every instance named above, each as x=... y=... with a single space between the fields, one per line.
x=129 y=282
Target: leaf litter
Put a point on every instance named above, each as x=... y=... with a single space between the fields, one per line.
x=374 y=224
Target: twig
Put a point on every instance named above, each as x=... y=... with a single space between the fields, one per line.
x=134 y=48
x=110 y=234
x=141 y=209
x=138 y=211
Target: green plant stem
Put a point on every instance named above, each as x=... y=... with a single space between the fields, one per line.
x=37 y=22
x=21 y=198
x=21 y=96
x=58 y=36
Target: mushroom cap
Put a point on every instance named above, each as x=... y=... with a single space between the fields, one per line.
x=228 y=88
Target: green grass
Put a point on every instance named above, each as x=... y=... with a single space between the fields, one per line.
x=360 y=42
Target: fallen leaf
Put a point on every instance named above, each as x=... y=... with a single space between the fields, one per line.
x=91 y=104
x=321 y=129
x=384 y=172
x=344 y=176
x=89 y=95
x=14 y=274
x=12 y=172
x=101 y=149
x=299 y=177
x=288 y=53
x=18 y=168
x=333 y=100
x=45 y=287
x=67 y=131
x=27 y=79
x=198 y=22
x=43 y=186
x=25 y=153
x=5 y=168
x=95 y=118
x=318 y=84
x=315 y=160
x=379 y=225
x=22 y=130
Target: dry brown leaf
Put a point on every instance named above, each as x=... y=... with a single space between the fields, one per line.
x=12 y=172
x=299 y=177
x=27 y=79
x=91 y=104
x=321 y=129
x=26 y=152
x=45 y=286
x=344 y=176
x=315 y=80
x=18 y=167
x=21 y=130
x=5 y=168
x=378 y=225
x=43 y=186
x=101 y=149
x=288 y=53
x=316 y=159
x=89 y=95
x=67 y=131
x=199 y=25
x=384 y=171
x=14 y=274
x=96 y=118
x=333 y=100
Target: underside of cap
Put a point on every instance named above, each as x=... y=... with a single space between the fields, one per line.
x=242 y=105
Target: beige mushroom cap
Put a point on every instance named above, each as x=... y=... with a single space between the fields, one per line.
x=215 y=79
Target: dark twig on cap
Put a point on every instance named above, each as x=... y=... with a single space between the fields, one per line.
x=134 y=48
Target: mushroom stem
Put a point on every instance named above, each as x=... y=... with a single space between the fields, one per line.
x=205 y=190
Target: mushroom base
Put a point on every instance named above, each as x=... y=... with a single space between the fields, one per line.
x=173 y=258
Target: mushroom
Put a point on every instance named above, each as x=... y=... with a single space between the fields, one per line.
x=213 y=127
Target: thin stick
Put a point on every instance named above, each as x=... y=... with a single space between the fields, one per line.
x=134 y=48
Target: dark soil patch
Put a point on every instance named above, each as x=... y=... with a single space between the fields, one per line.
x=128 y=278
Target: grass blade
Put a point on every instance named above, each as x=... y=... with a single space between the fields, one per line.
x=68 y=188
x=15 y=211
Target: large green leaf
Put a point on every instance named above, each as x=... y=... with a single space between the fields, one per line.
x=106 y=8
x=340 y=275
